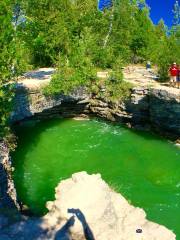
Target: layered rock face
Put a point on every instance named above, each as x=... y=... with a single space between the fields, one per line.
x=8 y=197
x=150 y=105
x=31 y=102
x=157 y=108
x=86 y=208
x=165 y=110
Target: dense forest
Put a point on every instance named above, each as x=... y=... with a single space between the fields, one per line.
x=79 y=39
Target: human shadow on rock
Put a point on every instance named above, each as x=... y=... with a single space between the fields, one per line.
x=63 y=233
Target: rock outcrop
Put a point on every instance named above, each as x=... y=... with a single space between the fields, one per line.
x=164 y=109
x=150 y=105
x=86 y=208
x=8 y=197
x=155 y=108
x=31 y=102
x=106 y=214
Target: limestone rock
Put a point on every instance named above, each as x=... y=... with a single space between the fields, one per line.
x=106 y=214
x=8 y=196
x=151 y=104
x=85 y=207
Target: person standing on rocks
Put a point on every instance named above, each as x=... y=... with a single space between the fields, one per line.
x=178 y=77
x=148 y=66
x=173 y=72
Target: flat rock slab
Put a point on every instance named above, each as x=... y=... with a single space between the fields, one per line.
x=139 y=76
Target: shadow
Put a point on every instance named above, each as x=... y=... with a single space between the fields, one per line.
x=87 y=231
x=30 y=229
x=28 y=136
x=40 y=74
x=21 y=104
x=63 y=233
x=152 y=113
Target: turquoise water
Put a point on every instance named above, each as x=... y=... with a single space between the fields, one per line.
x=143 y=167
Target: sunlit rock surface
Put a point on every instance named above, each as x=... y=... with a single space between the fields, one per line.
x=107 y=215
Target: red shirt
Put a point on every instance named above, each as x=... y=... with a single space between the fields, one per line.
x=174 y=71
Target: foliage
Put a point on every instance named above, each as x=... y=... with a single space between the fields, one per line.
x=176 y=11
x=7 y=54
x=71 y=36
x=113 y=88
x=54 y=28
x=12 y=63
x=116 y=87
x=71 y=72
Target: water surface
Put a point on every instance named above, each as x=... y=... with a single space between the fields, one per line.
x=143 y=167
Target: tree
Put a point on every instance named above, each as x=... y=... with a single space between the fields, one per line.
x=176 y=12
x=7 y=56
x=176 y=22
x=165 y=50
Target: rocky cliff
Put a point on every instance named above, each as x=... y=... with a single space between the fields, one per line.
x=8 y=197
x=150 y=105
x=31 y=102
x=85 y=207
x=152 y=108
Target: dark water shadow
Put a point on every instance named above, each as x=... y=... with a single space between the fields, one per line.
x=39 y=75
x=28 y=134
x=5 y=199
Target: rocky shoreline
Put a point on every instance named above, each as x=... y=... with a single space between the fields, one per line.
x=147 y=109
x=154 y=109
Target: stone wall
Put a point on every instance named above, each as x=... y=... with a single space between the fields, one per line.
x=8 y=197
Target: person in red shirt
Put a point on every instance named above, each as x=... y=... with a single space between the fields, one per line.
x=173 y=72
x=178 y=77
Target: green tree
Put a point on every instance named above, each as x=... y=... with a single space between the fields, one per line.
x=7 y=56
x=176 y=22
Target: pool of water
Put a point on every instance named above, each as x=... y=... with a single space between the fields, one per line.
x=143 y=167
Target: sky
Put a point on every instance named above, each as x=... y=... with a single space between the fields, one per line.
x=161 y=9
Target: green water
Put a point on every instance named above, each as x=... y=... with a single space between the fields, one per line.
x=143 y=167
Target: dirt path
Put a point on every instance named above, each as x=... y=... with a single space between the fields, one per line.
x=136 y=74
x=37 y=78
x=139 y=76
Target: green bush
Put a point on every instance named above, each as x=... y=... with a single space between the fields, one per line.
x=116 y=87
x=70 y=74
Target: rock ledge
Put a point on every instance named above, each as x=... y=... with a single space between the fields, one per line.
x=106 y=214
